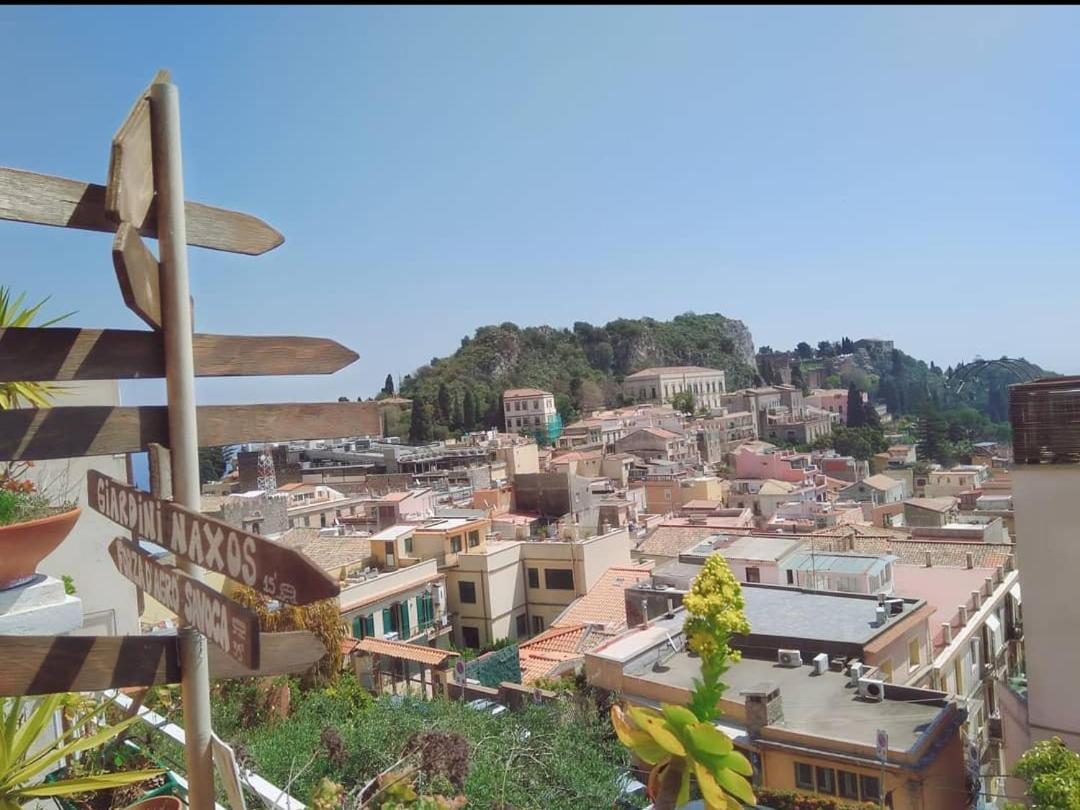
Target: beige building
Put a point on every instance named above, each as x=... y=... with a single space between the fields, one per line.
x=528 y=409
x=662 y=383
x=516 y=589
x=959 y=479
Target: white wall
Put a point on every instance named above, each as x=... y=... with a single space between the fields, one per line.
x=109 y=600
x=1048 y=557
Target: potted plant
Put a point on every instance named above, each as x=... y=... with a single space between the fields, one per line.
x=31 y=525
x=23 y=765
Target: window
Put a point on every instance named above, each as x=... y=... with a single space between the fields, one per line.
x=534 y=577
x=538 y=624
x=753 y=574
x=849 y=784
x=826 y=781
x=536 y=404
x=804 y=776
x=471 y=637
x=559 y=579
x=958 y=672
x=467 y=592
x=408 y=545
x=455 y=544
x=871 y=788
x=790 y=577
x=522 y=625
x=474 y=538
x=913 y=653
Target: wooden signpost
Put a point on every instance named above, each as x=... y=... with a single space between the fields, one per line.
x=144 y=198
x=233 y=628
x=65 y=355
x=269 y=567
x=98 y=430
x=43 y=665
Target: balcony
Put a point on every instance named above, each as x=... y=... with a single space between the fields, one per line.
x=993 y=727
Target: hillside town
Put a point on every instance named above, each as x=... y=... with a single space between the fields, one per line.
x=882 y=594
x=637 y=562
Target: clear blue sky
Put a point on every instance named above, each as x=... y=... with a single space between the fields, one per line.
x=897 y=172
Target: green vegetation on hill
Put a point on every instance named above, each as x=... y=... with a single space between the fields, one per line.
x=583 y=366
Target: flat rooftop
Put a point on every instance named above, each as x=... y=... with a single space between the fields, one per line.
x=823 y=705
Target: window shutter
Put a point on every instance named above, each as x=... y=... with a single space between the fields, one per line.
x=387 y=621
x=403 y=608
x=357 y=628
x=370 y=622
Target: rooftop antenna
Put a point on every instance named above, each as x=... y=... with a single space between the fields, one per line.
x=267 y=477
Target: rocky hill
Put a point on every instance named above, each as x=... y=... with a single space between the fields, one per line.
x=583 y=366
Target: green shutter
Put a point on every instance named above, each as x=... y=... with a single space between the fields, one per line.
x=369 y=623
x=429 y=601
x=387 y=621
x=357 y=628
x=420 y=617
x=404 y=609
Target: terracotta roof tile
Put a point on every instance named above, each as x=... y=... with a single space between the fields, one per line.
x=401 y=649
x=605 y=602
x=671 y=541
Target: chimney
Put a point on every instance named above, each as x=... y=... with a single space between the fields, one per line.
x=963 y=611
x=976 y=600
x=928 y=560
x=970 y=559
x=670 y=608
x=989 y=587
x=1010 y=563
x=946 y=632
x=999 y=575
x=880 y=614
x=763 y=707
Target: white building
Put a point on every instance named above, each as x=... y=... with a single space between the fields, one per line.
x=662 y=383
x=528 y=409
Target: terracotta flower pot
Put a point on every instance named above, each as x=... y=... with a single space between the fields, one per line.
x=158 y=803
x=24 y=545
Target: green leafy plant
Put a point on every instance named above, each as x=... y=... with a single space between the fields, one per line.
x=69 y=584
x=681 y=743
x=21 y=770
x=15 y=313
x=1052 y=773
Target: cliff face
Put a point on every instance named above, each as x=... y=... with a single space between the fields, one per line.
x=585 y=362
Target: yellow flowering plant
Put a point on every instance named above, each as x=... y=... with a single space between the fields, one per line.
x=680 y=742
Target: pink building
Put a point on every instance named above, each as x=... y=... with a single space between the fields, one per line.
x=833 y=400
x=778 y=465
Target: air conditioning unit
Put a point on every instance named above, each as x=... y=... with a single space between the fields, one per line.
x=894 y=606
x=821 y=663
x=855 y=672
x=871 y=689
x=789 y=658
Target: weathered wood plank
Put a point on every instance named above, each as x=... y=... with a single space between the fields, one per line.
x=160 y=470
x=41 y=665
x=276 y=570
x=68 y=355
x=45 y=200
x=129 y=189
x=226 y=623
x=72 y=432
x=137 y=271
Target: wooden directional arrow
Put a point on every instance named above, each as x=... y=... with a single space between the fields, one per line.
x=71 y=432
x=276 y=570
x=137 y=271
x=44 y=665
x=130 y=188
x=226 y=623
x=44 y=200
x=65 y=355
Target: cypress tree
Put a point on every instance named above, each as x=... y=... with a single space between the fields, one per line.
x=444 y=404
x=468 y=410
x=856 y=416
x=388 y=386
x=420 y=424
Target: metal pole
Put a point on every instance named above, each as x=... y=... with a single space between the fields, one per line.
x=183 y=438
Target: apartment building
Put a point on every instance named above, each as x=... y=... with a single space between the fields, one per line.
x=803 y=727
x=661 y=384
x=875 y=490
x=528 y=410
x=956 y=480
x=656 y=443
x=515 y=589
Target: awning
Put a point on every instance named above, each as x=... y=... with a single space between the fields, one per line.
x=408 y=652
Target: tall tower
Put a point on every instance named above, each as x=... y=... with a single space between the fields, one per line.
x=267 y=478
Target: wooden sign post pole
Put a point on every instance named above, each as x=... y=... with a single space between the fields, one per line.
x=183 y=434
